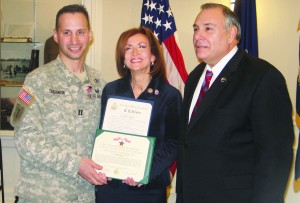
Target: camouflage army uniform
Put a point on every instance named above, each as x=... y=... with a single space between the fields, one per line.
x=54 y=130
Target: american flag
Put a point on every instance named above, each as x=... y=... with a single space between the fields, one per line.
x=25 y=97
x=157 y=15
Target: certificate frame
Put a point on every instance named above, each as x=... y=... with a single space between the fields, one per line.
x=116 y=153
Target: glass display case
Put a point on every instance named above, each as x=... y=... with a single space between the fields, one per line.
x=17 y=41
x=25 y=27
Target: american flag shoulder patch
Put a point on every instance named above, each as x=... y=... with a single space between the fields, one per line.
x=25 y=97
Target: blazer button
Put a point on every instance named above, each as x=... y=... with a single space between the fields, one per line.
x=185 y=145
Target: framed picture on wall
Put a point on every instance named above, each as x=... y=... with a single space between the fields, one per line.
x=7 y=105
x=13 y=71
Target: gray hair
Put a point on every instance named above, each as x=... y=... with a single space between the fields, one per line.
x=231 y=18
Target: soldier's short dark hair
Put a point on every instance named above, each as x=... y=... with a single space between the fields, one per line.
x=74 y=8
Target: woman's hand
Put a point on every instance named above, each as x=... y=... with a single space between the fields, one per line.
x=131 y=182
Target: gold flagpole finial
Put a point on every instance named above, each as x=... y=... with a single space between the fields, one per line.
x=298 y=25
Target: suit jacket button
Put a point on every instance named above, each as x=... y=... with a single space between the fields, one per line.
x=185 y=145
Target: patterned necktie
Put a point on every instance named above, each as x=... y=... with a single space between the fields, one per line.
x=204 y=88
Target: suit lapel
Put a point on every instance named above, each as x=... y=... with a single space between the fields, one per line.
x=190 y=89
x=215 y=91
x=123 y=87
x=152 y=92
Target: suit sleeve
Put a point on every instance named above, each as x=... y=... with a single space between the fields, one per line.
x=271 y=119
x=188 y=92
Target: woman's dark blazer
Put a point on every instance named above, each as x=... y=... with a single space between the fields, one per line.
x=164 y=125
x=238 y=147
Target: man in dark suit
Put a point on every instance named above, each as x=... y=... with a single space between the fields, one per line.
x=237 y=145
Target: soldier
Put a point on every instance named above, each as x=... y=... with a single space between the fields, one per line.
x=55 y=118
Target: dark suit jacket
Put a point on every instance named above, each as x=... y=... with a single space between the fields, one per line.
x=51 y=50
x=164 y=125
x=238 y=147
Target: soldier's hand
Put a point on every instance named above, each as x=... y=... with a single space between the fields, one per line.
x=87 y=170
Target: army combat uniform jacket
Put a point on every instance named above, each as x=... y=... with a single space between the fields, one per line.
x=55 y=118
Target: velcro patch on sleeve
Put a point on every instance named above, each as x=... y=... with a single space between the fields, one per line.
x=17 y=113
x=25 y=97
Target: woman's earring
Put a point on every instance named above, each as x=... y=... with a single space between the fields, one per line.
x=152 y=63
x=124 y=66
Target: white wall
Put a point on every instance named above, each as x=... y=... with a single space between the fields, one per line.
x=11 y=167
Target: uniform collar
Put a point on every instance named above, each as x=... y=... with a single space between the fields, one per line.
x=71 y=77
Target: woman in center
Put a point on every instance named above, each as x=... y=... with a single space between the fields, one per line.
x=141 y=65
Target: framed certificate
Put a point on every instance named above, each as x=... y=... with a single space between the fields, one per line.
x=127 y=115
x=124 y=155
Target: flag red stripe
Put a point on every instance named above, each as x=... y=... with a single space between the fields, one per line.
x=176 y=56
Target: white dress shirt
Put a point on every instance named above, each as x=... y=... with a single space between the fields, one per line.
x=216 y=70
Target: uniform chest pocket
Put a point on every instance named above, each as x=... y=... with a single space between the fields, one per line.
x=57 y=100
